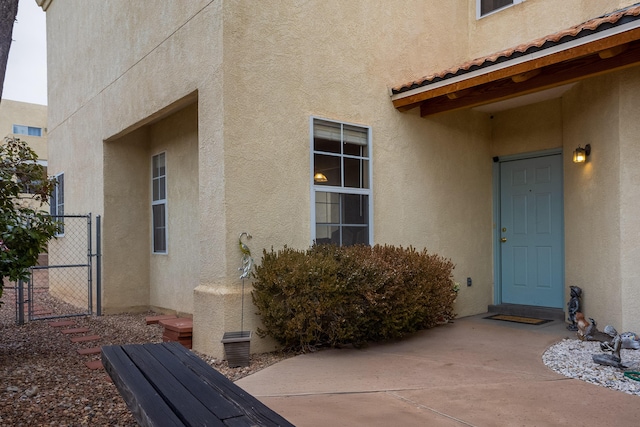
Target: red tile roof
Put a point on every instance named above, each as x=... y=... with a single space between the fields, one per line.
x=591 y=26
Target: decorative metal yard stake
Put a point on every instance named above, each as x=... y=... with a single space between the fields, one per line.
x=247 y=265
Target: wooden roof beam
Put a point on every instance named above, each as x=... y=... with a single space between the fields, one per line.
x=609 y=45
x=549 y=77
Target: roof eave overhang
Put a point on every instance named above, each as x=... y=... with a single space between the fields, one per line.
x=602 y=52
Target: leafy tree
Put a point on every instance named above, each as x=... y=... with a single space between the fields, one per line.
x=8 y=13
x=25 y=229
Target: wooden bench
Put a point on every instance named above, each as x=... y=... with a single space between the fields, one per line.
x=167 y=385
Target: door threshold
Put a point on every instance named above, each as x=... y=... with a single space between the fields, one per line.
x=528 y=311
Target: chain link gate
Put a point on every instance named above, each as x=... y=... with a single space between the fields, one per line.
x=62 y=286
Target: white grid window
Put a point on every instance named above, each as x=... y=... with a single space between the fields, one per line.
x=341 y=177
x=159 y=203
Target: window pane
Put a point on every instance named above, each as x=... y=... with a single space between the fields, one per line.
x=327 y=208
x=327 y=136
x=329 y=167
x=355 y=235
x=355 y=209
x=53 y=202
x=326 y=234
x=56 y=203
x=356 y=173
x=20 y=130
x=159 y=228
x=355 y=141
x=159 y=165
x=35 y=131
x=355 y=150
x=156 y=190
x=487 y=6
x=163 y=188
x=326 y=146
x=60 y=188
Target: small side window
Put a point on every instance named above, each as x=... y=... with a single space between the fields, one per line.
x=159 y=203
x=27 y=130
x=56 y=203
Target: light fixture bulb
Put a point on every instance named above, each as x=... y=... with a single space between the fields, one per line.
x=580 y=155
x=320 y=177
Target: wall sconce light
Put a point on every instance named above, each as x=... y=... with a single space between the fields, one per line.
x=580 y=155
x=320 y=177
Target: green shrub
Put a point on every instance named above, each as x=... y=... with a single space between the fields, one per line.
x=331 y=296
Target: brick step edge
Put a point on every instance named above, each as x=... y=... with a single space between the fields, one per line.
x=89 y=351
x=152 y=320
x=85 y=338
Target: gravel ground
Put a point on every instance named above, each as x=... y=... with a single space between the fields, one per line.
x=43 y=381
x=573 y=358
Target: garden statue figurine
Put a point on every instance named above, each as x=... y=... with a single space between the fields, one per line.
x=574 y=306
x=612 y=359
x=588 y=330
x=247 y=261
x=628 y=340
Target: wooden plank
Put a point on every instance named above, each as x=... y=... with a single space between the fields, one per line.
x=181 y=400
x=252 y=407
x=192 y=380
x=148 y=408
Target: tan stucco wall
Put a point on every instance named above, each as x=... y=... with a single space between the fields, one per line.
x=283 y=65
x=629 y=200
x=527 y=129
x=127 y=238
x=139 y=279
x=257 y=72
x=592 y=197
x=174 y=275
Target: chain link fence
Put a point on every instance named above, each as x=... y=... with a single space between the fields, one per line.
x=61 y=285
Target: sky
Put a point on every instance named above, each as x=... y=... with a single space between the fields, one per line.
x=26 y=78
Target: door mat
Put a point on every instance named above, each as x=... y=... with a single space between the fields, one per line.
x=518 y=319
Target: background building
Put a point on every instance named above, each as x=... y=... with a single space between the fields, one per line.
x=27 y=122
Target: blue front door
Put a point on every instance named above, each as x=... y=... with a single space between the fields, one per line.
x=531 y=231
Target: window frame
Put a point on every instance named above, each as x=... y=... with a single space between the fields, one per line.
x=56 y=203
x=159 y=202
x=341 y=189
x=27 y=129
x=479 y=14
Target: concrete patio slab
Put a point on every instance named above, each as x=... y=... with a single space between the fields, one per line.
x=474 y=372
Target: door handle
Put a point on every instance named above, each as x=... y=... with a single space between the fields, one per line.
x=504 y=239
